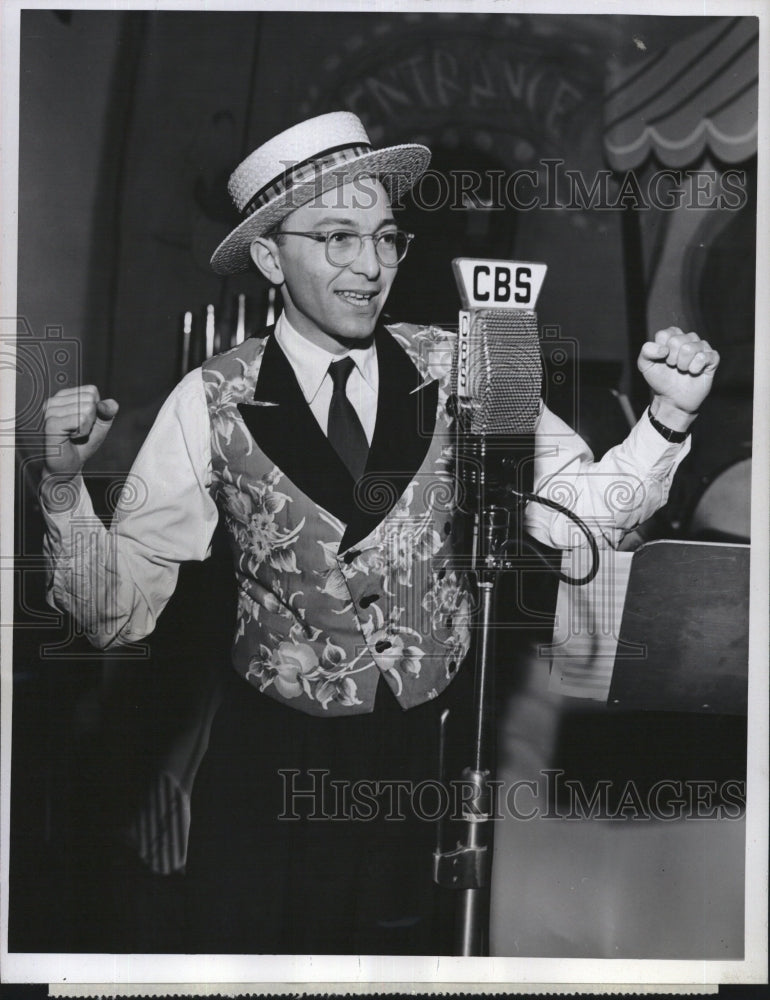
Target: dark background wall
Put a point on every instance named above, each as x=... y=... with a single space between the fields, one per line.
x=131 y=123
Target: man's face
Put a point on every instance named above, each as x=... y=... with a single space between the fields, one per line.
x=331 y=305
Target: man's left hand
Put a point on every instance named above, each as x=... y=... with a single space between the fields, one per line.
x=679 y=368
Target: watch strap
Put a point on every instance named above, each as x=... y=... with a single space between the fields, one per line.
x=674 y=437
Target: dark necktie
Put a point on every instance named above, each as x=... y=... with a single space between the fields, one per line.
x=345 y=432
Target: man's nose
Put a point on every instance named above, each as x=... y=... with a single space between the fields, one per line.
x=367 y=262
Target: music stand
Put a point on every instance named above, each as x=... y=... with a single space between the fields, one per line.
x=684 y=635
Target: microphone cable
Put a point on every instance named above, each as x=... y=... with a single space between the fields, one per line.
x=573 y=581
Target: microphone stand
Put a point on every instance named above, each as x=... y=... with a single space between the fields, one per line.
x=497 y=334
x=467 y=866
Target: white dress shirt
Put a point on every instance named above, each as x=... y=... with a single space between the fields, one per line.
x=120 y=582
x=311 y=366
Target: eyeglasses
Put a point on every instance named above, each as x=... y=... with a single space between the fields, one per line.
x=343 y=247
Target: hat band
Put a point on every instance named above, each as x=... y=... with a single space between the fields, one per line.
x=304 y=171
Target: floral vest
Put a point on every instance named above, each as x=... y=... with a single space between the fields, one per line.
x=340 y=583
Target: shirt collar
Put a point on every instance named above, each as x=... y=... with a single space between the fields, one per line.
x=311 y=362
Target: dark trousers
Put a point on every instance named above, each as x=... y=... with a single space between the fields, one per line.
x=341 y=870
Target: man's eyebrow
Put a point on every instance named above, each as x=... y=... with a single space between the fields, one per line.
x=340 y=222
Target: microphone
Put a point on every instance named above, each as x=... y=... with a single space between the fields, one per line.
x=495 y=400
x=497 y=387
x=497 y=381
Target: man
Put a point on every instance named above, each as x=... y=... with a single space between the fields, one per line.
x=326 y=447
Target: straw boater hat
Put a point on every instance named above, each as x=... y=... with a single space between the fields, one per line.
x=300 y=164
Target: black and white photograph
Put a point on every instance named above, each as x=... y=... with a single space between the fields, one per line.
x=384 y=494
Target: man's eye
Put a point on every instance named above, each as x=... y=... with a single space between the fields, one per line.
x=342 y=239
x=388 y=239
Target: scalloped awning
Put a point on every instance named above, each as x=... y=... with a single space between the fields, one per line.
x=699 y=94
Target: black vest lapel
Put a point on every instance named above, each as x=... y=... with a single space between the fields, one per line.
x=290 y=436
x=406 y=418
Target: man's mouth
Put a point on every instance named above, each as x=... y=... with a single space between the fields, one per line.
x=358 y=298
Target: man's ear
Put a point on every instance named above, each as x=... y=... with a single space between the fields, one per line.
x=265 y=254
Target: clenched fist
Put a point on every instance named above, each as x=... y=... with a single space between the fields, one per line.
x=76 y=423
x=679 y=368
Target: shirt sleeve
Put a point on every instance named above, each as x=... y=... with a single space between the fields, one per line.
x=116 y=582
x=612 y=496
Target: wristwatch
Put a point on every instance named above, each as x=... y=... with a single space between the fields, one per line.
x=675 y=437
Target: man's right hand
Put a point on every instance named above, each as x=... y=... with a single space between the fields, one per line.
x=76 y=423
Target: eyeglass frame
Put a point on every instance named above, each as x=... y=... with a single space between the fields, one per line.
x=374 y=237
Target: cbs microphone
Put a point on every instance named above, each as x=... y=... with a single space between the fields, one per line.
x=497 y=388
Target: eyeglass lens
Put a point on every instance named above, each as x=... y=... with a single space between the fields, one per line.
x=343 y=247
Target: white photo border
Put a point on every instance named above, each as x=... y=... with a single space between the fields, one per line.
x=349 y=971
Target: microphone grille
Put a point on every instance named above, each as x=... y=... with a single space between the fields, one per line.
x=505 y=371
